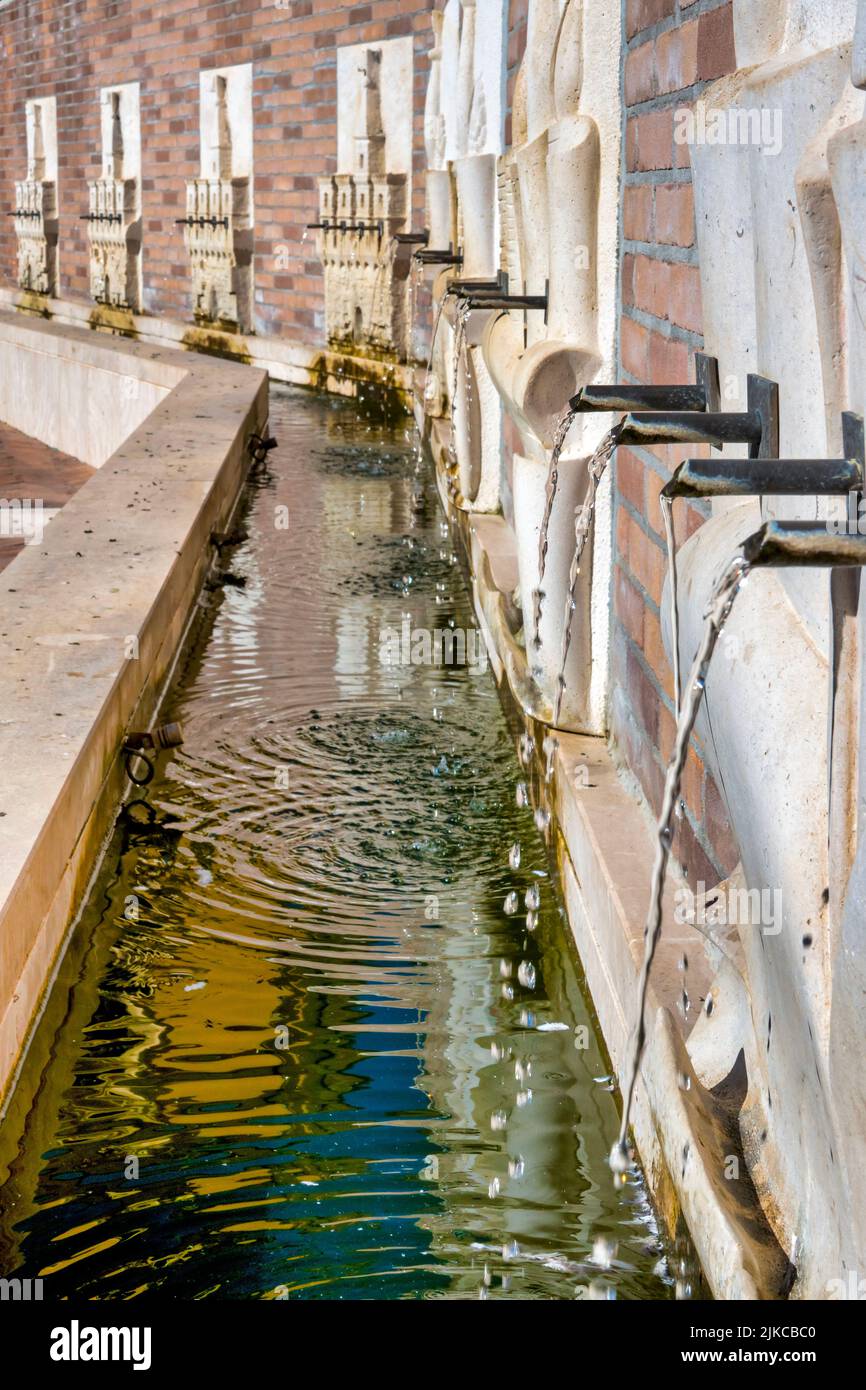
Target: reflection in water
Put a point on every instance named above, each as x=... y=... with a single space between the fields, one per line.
x=298 y=1047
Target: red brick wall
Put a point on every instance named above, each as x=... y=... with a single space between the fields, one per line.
x=672 y=49
x=74 y=47
x=518 y=14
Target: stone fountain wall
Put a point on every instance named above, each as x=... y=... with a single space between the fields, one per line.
x=735 y=222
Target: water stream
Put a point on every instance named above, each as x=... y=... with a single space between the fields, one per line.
x=463 y=311
x=561 y=434
x=667 y=506
x=582 y=525
x=304 y=1043
x=718 y=612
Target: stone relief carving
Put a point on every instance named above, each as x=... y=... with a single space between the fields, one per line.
x=114 y=219
x=218 y=230
x=366 y=302
x=36 y=213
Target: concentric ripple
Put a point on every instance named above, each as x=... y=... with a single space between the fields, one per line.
x=313 y=1038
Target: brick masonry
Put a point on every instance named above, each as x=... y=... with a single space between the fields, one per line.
x=671 y=50
x=75 y=47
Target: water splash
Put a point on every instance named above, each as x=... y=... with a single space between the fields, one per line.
x=559 y=438
x=459 y=343
x=582 y=523
x=719 y=609
x=667 y=504
x=414 y=284
x=436 y=323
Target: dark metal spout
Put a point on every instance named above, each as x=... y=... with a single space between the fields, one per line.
x=804 y=543
x=689 y=427
x=761 y=477
x=495 y=299
x=430 y=257
x=703 y=395
x=466 y=287
x=412 y=238
x=758 y=426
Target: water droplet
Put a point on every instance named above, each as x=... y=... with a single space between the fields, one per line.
x=542 y=819
x=603 y=1252
x=620 y=1158
x=531 y=921
x=514 y=857
x=523 y=1098
x=493 y=1188
x=599 y=1292
x=521 y=794
x=532 y=897
x=516 y=1167
x=685 y=1082
x=498 y=1120
x=526 y=974
x=505 y=969
x=511 y=904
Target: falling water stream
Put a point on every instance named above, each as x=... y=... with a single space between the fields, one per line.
x=463 y=312
x=560 y=435
x=304 y=1043
x=667 y=506
x=582 y=525
x=718 y=611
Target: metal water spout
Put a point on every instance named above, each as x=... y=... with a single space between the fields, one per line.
x=757 y=425
x=412 y=238
x=790 y=544
x=704 y=478
x=499 y=299
x=704 y=395
x=467 y=287
x=763 y=476
x=431 y=256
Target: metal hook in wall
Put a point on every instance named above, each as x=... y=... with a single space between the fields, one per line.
x=139 y=745
x=259 y=448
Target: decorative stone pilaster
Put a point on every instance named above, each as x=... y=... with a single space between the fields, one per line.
x=36 y=220
x=114 y=218
x=218 y=238
x=36 y=231
x=360 y=211
x=218 y=230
